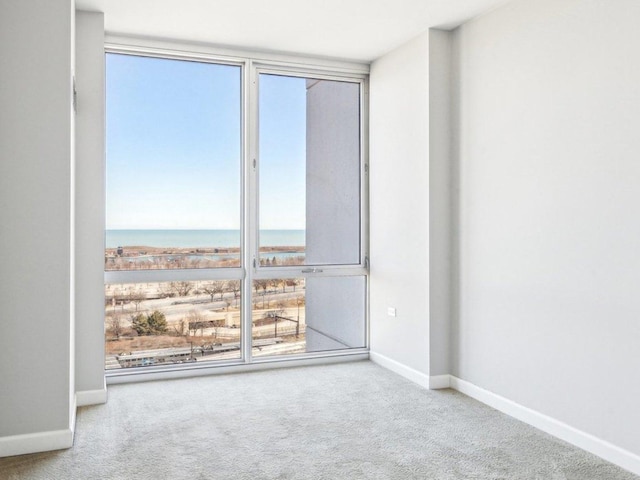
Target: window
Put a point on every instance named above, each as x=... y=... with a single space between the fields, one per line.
x=235 y=212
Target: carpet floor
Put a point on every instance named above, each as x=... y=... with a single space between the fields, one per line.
x=344 y=421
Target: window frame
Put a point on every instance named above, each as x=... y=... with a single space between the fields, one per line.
x=327 y=268
x=252 y=64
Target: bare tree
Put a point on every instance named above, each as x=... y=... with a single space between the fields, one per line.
x=164 y=290
x=234 y=286
x=275 y=283
x=213 y=288
x=196 y=321
x=137 y=297
x=299 y=303
x=219 y=287
x=179 y=328
x=293 y=282
x=115 y=325
x=263 y=284
x=182 y=289
x=209 y=289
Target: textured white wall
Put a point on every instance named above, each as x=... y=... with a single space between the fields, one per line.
x=547 y=229
x=399 y=203
x=36 y=168
x=90 y=201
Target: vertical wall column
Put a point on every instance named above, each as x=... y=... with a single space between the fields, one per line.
x=410 y=190
x=399 y=200
x=37 y=404
x=89 y=201
x=439 y=204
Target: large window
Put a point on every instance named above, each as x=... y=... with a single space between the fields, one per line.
x=173 y=164
x=235 y=212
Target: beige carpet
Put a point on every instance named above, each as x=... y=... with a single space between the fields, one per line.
x=346 y=421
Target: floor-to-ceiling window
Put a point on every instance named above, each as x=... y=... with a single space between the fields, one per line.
x=235 y=212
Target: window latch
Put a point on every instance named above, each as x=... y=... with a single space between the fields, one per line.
x=311 y=270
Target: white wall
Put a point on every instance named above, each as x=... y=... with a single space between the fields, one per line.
x=36 y=168
x=399 y=204
x=547 y=228
x=90 y=207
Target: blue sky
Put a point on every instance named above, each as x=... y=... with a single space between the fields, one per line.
x=174 y=146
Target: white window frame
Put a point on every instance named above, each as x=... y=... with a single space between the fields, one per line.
x=252 y=64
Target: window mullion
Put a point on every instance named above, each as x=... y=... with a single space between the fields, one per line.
x=251 y=200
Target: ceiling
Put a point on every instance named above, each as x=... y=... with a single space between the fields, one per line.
x=359 y=30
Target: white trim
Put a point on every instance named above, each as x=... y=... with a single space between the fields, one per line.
x=172 y=275
x=92 y=397
x=155 y=46
x=144 y=374
x=601 y=448
x=72 y=418
x=438 y=382
x=402 y=370
x=35 y=442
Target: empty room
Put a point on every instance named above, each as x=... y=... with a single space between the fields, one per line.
x=304 y=240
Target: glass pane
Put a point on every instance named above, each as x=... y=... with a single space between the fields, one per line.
x=173 y=164
x=309 y=171
x=171 y=322
x=298 y=315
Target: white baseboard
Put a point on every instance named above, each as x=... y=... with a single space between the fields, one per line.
x=569 y=434
x=415 y=376
x=35 y=442
x=92 y=397
x=438 y=382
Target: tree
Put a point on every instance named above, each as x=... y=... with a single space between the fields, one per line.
x=157 y=322
x=293 y=282
x=213 y=288
x=219 y=288
x=152 y=324
x=115 y=325
x=234 y=286
x=139 y=324
x=275 y=283
x=263 y=284
x=179 y=329
x=208 y=288
x=196 y=321
x=137 y=297
x=181 y=289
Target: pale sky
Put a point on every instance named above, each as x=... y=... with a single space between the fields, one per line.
x=174 y=146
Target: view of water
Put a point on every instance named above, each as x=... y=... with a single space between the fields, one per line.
x=199 y=238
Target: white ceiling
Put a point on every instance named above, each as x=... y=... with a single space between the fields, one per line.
x=360 y=30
